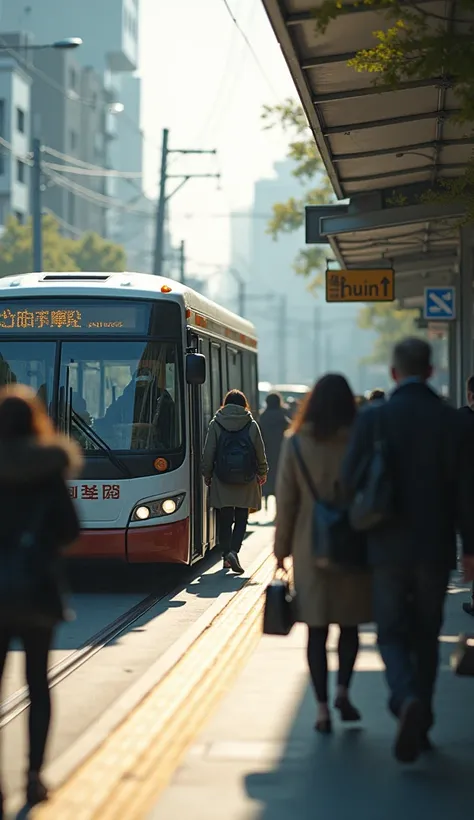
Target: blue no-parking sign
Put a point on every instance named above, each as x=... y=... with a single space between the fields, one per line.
x=440 y=304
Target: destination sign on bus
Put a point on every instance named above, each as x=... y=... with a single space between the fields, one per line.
x=73 y=317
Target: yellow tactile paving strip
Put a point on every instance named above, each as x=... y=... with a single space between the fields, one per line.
x=123 y=778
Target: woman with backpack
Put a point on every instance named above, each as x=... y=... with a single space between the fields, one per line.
x=234 y=467
x=313 y=453
x=38 y=521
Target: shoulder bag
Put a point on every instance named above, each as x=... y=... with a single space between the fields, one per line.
x=279 y=613
x=373 y=503
x=335 y=543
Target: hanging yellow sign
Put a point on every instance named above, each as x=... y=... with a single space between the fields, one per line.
x=367 y=285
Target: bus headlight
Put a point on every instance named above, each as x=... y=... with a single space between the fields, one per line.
x=157 y=508
x=142 y=513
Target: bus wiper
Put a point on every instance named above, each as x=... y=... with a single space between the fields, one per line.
x=97 y=440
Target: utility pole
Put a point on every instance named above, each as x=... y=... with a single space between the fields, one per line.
x=328 y=352
x=163 y=197
x=36 y=208
x=241 y=291
x=317 y=341
x=282 y=339
x=161 y=207
x=182 y=263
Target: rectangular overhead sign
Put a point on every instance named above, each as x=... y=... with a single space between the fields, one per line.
x=367 y=285
x=440 y=304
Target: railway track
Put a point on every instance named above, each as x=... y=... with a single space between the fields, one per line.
x=16 y=703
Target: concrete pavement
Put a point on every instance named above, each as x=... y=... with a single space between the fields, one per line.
x=259 y=758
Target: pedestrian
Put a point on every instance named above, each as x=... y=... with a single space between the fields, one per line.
x=466 y=417
x=325 y=595
x=413 y=551
x=377 y=395
x=235 y=468
x=38 y=521
x=273 y=424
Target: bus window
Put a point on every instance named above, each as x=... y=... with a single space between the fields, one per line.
x=248 y=366
x=30 y=363
x=216 y=377
x=234 y=369
x=254 y=382
x=206 y=388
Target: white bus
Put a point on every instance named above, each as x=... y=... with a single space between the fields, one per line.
x=133 y=367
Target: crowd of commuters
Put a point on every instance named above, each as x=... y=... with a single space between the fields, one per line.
x=410 y=550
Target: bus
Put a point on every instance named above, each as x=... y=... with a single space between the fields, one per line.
x=132 y=367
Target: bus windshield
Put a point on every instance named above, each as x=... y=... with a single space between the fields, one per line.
x=128 y=393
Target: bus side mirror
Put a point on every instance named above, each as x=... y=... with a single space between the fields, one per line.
x=195 y=368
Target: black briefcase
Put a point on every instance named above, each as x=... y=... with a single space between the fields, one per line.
x=462 y=659
x=280 y=607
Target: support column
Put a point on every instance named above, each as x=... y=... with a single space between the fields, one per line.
x=453 y=363
x=465 y=310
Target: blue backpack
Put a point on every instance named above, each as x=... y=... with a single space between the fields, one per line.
x=236 y=459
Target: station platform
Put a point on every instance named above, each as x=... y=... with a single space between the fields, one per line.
x=258 y=757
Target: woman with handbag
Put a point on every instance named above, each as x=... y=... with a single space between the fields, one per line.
x=38 y=521
x=328 y=594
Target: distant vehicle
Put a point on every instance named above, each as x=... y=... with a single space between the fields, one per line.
x=286 y=391
x=295 y=391
x=119 y=360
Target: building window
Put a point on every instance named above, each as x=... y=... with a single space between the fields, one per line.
x=20 y=171
x=72 y=78
x=20 y=218
x=73 y=140
x=20 y=120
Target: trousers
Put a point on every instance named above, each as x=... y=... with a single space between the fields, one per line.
x=232 y=528
x=409 y=610
x=37 y=644
x=348 y=648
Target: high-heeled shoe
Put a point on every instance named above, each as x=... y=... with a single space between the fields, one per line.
x=323 y=726
x=36 y=791
x=348 y=712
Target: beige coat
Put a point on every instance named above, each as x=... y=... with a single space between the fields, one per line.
x=325 y=596
x=233 y=417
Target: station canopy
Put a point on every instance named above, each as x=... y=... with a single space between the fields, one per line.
x=382 y=148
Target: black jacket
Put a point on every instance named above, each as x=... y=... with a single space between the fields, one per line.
x=33 y=488
x=273 y=425
x=431 y=465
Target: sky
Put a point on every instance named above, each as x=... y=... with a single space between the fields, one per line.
x=201 y=80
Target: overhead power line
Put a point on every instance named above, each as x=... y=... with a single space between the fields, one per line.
x=251 y=49
x=92 y=172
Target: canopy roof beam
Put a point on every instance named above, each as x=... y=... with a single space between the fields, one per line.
x=349 y=128
x=403 y=149
x=371 y=90
x=350 y=8
x=403 y=172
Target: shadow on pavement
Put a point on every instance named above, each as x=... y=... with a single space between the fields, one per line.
x=352 y=775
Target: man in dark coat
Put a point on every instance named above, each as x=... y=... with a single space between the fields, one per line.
x=413 y=553
x=467 y=414
x=273 y=424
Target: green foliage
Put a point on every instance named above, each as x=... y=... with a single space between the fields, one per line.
x=59 y=253
x=93 y=253
x=309 y=169
x=391 y=324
